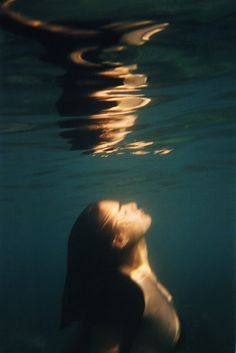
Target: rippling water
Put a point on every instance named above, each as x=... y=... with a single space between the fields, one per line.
x=125 y=101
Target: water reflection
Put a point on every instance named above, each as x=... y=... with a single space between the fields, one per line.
x=100 y=98
x=109 y=106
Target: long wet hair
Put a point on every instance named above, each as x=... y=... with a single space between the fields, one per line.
x=91 y=260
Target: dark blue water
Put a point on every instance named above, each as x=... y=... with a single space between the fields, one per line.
x=152 y=123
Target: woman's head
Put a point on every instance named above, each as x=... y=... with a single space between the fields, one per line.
x=103 y=231
x=127 y=222
x=112 y=223
x=98 y=243
x=109 y=226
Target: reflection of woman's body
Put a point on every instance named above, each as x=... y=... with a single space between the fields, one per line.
x=110 y=288
x=98 y=98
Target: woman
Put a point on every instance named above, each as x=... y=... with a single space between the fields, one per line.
x=110 y=288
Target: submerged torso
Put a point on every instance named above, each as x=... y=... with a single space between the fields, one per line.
x=159 y=330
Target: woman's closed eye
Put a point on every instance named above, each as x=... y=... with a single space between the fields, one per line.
x=124 y=210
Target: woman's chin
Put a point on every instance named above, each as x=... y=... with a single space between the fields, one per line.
x=147 y=221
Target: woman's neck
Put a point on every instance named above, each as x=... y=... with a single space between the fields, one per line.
x=134 y=257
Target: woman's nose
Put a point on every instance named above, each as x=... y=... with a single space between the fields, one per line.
x=132 y=205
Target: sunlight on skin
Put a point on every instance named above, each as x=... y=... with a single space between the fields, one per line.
x=107 y=243
x=131 y=224
x=126 y=216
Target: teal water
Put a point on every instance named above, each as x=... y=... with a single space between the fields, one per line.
x=60 y=150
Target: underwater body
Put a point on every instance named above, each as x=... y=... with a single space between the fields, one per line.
x=135 y=102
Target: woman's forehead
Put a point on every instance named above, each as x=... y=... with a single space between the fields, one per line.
x=108 y=206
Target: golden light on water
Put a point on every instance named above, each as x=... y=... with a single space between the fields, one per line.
x=125 y=98
x=50 y=27
x=77 y=57
x=140 y=153
x=118 y=119
x=101 y=96
x=140 y=36
x=139 y=144
x=163 y=151
x=127 y=25
x=121 y=102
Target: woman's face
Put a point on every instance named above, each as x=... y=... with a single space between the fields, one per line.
x=127 y=218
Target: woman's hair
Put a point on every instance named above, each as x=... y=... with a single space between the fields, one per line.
x=90 y=257
x=95 y=222
x=92 y=234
